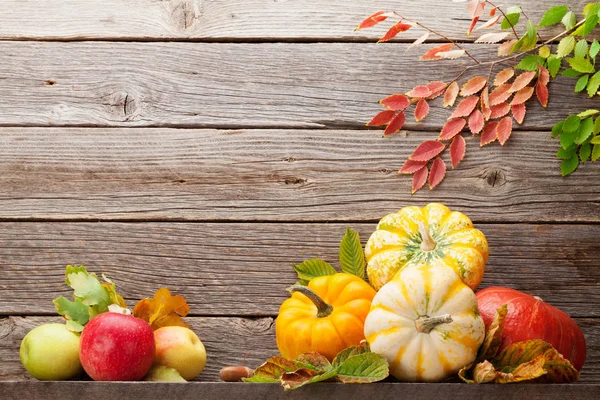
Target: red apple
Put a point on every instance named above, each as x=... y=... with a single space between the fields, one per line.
x=117 y=347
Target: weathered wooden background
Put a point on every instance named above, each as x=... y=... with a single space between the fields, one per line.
x=208 y=145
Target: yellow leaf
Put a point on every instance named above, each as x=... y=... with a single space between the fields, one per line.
x=162 y=310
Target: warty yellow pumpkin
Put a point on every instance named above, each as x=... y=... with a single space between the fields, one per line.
x=326 y=316
x=433 y=234
x=425 y=322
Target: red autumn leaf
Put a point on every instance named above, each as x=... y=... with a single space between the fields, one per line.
x=421 y=110
x=476 y=122
x=518 y=112
x=419 y=179
x=431 y=53
x=505 y=48
x=451 y=94
x=504 y=129
x=489 y=133
x=419 y=92
x=382 y=118
x=504 y=76
x=500 y=110
x=475 y=8
x=395 y=30
x=395 y=125
x=411 y=166
x=473 y=23
x=500 y=94
x=427 y=150
x=522 y=95
x=457 y=150
x=437 y=173
x=452 y=128
x=543 y=75
x=396 y=102
x=522 y=80
x=541 y=91
x=493 y=11
x=485 y=103
x=436 y=88
x=465 y=107
x=472 y=86
x=373 y=20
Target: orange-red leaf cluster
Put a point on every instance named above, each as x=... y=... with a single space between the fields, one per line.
x=163 y=309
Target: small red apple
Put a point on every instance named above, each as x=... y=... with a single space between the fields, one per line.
x=117 y=347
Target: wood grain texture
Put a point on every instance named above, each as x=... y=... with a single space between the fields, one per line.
x=228 y=341
x=275 y=175
x=243 y=269
x=227 y=20
x=319 y=85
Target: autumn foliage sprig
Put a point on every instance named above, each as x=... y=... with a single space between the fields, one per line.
x=488 y=107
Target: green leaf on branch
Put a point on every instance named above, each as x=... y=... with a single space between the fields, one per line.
x=88 y=289
x=554 y=64
x=570 y=72
x=585 y=130
x=530 y=63
x=596 y=126
x=569 y=20
x=352 y=257
x=596 y=152
x=349 y=352
x=563 y=154
x=527 y=41
x=312 y=268
x=565 y=46
x=581 y=48
x=75 y=311
x=593 y=84
x=585 y=151
x=591 y=20
x=513 y=14
x=363 y=368
x=595 y=140
x=567 y=139
x=571 y=124
x=581 y=64
x=569 y=165
x=554 y=15
x=582 y=83
x=594 y=48
x=557 y=129
x=588 y=113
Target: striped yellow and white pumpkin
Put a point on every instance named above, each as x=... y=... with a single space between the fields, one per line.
x=414 y=236
x=425 y=322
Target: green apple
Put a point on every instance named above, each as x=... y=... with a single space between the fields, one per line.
x=50 y=352
x=179 y=348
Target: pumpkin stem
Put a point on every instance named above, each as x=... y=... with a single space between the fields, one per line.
x=428 y=243
x=425 y=324
x=323 y=309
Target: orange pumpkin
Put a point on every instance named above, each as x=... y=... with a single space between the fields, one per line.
x=326 y=316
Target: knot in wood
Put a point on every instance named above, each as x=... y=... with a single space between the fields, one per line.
x=494 y=177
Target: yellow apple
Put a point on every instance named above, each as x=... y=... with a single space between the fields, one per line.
x=50 y=352
x=181 y=349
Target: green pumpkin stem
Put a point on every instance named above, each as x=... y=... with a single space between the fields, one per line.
x=428 y=244
x=323 y=309
x=425 y=324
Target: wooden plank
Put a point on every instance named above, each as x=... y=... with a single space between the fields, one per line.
x=226 y=20
x=277 y=85
x=274 y=175
x=228 y=342
x=248 y=391
x=243 y=269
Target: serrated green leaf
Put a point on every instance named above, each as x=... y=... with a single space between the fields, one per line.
x=596 y=152
x=582 y=83
x=593 y=84
x=87 y=288
x=160 y=373
x=554 y=15
x=312 y=268
x=569 y=20
x=571 y=124
x=568 y=153
x=588 y=113
x=590 y=24
x=584 y=152
x=567 y=139
x=594 y=48
x=363 y=368
x=510 y=20
x=349 y=352
x=595 y=140
x=585 y=130
x=557 y=129
x=570 y=72
x=554 y=64
x=596 y=126
x=74 y=326
x=581 y=49
x=72 y=310
x=530 y=63
x=581 y=64
x=352 y=257
x=569 y=165
x=565 y=46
